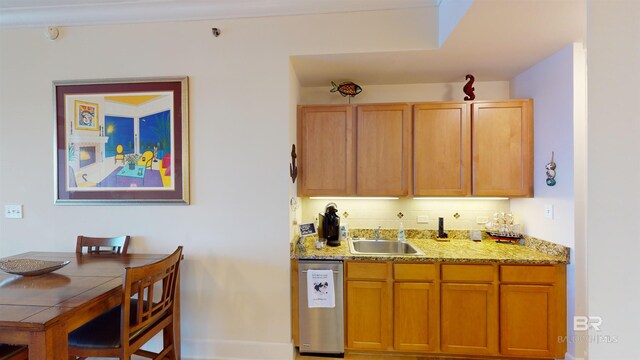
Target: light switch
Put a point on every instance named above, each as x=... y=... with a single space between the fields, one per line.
x=548 y=211
x=13 y=211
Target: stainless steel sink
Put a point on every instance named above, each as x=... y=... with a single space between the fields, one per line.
x=382 y=247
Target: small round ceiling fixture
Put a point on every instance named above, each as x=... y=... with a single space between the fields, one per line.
x=52 y=33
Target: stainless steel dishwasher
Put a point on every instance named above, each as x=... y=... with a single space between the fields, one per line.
x=321 y=325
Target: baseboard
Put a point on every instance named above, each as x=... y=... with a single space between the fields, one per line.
x=568 y=356
x=235 y=350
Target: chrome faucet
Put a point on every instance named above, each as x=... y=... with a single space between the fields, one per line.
x=377 y=232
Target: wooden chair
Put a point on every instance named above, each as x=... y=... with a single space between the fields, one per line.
x=97 y=245
x=13 y=352
x=122 y=331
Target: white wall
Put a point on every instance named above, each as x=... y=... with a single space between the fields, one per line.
x=235 y=287
x=613 y=194
x=369 y=214
x=485 y=90
x=552 y=85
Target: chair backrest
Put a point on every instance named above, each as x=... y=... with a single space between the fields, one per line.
x=103 y=245
x=119 y=149
x=151 y=289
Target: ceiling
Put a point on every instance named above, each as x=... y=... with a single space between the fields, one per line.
x=495 y=40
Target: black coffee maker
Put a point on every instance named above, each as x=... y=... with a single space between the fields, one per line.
x=329 y=225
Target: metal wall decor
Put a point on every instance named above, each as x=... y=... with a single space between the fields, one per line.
x=469 y=89
x=293 y=168
x=551 y=171
x=347 y=88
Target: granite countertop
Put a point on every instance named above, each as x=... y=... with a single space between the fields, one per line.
x=529 y=251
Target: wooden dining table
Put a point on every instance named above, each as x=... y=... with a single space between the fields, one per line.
x=40 y=311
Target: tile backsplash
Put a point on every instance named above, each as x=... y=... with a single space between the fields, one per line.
x=374 y=213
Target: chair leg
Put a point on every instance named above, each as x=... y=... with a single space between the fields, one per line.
x=169 y=339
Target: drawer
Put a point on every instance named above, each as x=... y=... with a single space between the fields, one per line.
x=414 y=272
x=524 y=274
x=467 y=273
x=367 y=270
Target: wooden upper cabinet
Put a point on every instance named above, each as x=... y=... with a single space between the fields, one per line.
x=441 y=149
x=484 y=148
x=383 y=149
x=502 y=133
x=326 y=150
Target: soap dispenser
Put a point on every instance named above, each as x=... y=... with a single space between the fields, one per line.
x=401 y=236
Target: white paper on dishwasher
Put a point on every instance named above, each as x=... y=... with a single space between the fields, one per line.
x=320 y=289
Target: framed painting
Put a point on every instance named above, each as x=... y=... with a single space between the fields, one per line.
x=86 y=116
x=121 y=141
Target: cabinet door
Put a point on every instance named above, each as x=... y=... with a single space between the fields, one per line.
x=468 y=319
x=527 y=320
x=368 y=315
x=414 y=316
x=502 y=137
x=383 y=149
x=326 y=150
x=441 y=149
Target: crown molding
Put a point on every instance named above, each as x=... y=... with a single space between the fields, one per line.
x=37 y=13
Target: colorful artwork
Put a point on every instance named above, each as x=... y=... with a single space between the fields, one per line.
x=86 y=116
x=139 y=151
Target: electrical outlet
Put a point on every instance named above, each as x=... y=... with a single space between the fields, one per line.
x=13 y=211
x=548 y=211
x=423 y=219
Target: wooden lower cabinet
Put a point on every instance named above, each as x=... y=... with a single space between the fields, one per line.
x=368 y=305
x=505 y=310
x=414 y=316
x=532 y=311
x=469 y=309
x=468 y=319
x=368 y=315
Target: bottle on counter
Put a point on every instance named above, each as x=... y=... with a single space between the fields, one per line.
x=401 y=236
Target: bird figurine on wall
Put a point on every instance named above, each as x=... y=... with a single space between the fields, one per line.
x=469 y=89
x=346 y=89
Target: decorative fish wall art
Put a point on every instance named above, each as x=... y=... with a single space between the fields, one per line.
x=346 y=88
